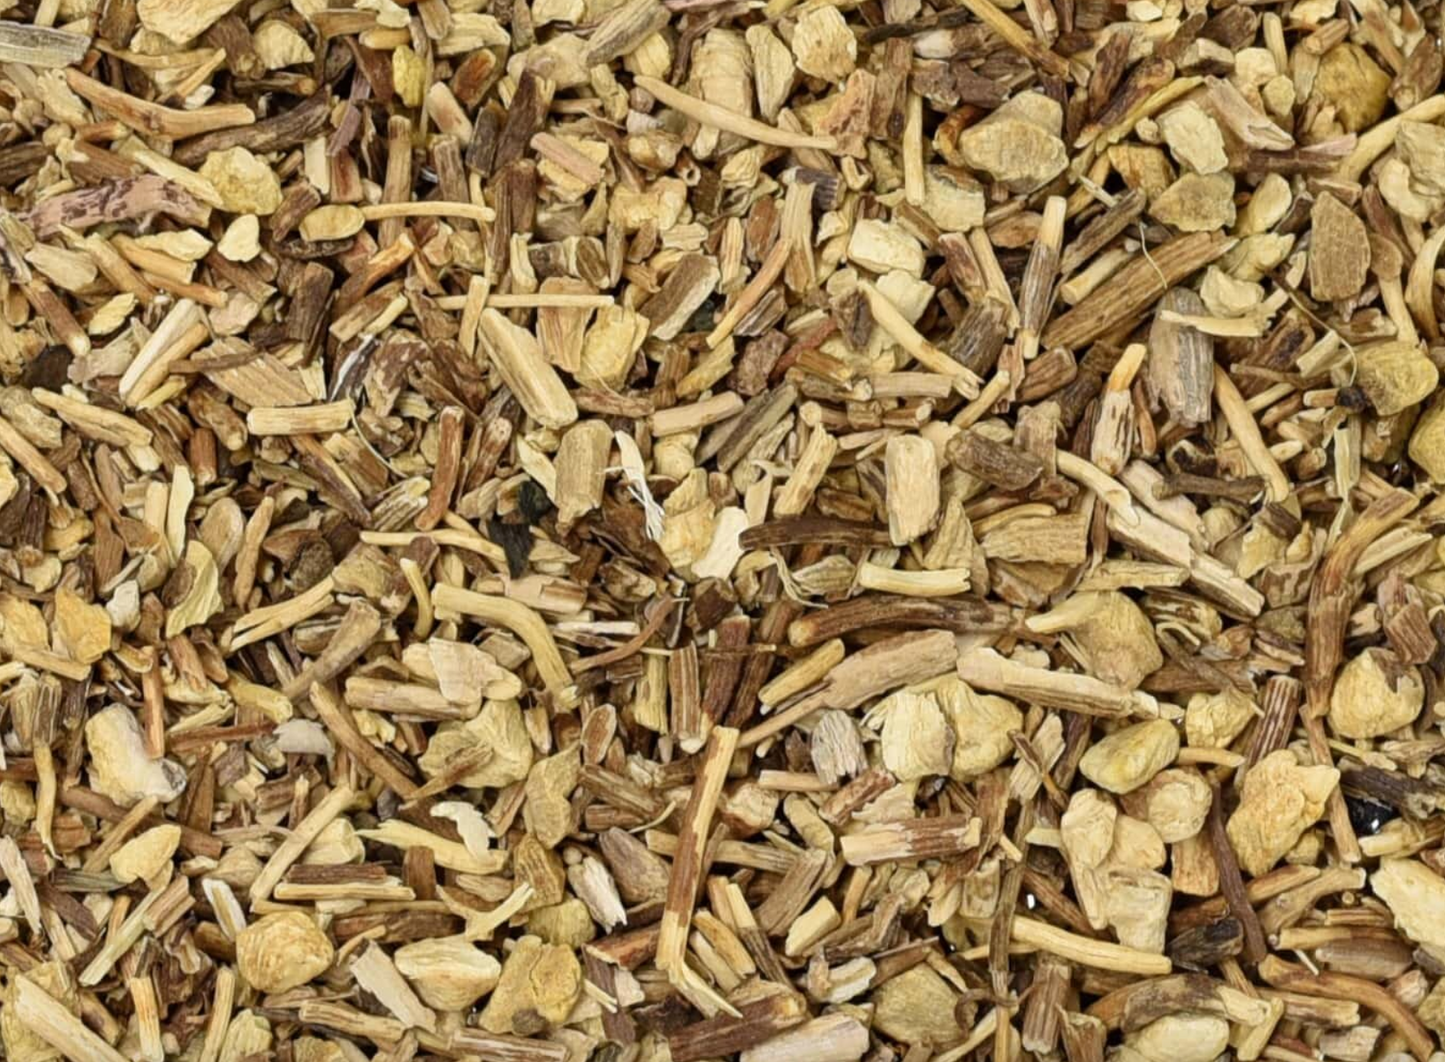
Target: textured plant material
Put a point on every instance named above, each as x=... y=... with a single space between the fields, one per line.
x=542 y=530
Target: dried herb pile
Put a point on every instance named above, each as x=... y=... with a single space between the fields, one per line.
x=668 y=530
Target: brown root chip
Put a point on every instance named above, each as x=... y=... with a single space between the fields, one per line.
x=645 y=530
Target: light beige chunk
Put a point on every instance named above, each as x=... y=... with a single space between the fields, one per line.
x=1214 y=720
x=143 y=856
x=540 y=977
x=1130 y=756
x=548 y=810
x=917 y=740
x=1415 y=895
x=917 y=1006
x=120 y=767
x=1114 y=637
x=773 y=69
x=1136 y=906
x=279 y=46
x=1374 y=695
x=1175 y=802
x=179 y=21
x=281 y=951
x=335 y=221
x=911 y=469
x=1019 y=143
x=1194 y=138
x=241 y=241
x=1278 y=802
x=245 y=183
x=1181 y=1038
x=498 y=727
x=879 y=246
x=81 y=630
x=981 y=723
x=954 y=200
x=1196 y=203
x=1087 y=828
x=1427 y=441
x=1421 y=145
x=823 y=45
x=450 y=973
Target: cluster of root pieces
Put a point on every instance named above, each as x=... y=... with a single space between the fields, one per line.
x=688 y=530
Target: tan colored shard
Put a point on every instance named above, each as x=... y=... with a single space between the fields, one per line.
x=823 y=45
x=880 y=247
x=911 y=467
x=917 y=1006
x=1175 y=802
x=181 y=20
x=279 y=46
x=917 y=740
x=449 y=973
x=1355 y=84
x=1395 y=376
x=82 y=630
x=1018 y=145
x=1415 y=895
x=518 y=358
x=498 y=728
x=1214 y=720
x=1114 y=637
x=1181 y=1038
x=1427 y=441
x=1194 y=138
x=1196 y=203
x=333 y=222
x=539 y=985
x=773 y=69
x=1339 y=250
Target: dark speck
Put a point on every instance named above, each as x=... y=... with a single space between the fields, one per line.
x=704 y=317
x=1353 y=398
x=1368 y=816
x=532 y=502
x=516 y=542
x=49 y=370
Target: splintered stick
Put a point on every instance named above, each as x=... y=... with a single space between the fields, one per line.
x=518 y=618
x=151 y=118
x=42 y=1014
x=692 y=839
x=427 y=209
x=1097 y=953
x=1333 y=592
x=908 y=337
x=29 y=458
x=1246 y=430
x=729 y=121
x=306 y=831
x=1036 y=294
x=1016 y=37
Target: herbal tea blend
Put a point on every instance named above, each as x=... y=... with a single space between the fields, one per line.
x=684 y=530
